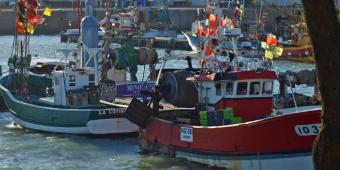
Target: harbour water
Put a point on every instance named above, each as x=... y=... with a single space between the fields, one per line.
x=28 y=149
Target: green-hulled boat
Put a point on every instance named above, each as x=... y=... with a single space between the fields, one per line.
x=76 y=95
x=82 y=112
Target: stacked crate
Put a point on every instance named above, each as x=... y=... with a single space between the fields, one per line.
x=228 y=115
x=218 y=117
x=203 y=118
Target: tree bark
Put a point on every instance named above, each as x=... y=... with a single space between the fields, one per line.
x=324 y=30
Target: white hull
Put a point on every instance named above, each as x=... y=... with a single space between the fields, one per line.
x=109 y=126
x=255 y=162
x=105 y=126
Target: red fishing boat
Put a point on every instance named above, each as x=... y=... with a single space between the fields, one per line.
x=300 y=48
x=303 y=54
x=228 y=122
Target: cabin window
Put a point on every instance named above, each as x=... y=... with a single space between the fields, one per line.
x=218 y=88
x=267 y=87
x=72 y=78
x=242 y=88
x=91 y=77
x=229 y=88
x=254 y=88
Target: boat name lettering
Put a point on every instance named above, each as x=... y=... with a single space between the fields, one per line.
x=186 y=134
x=114 y=111
x=308 y=130
x=134 y=87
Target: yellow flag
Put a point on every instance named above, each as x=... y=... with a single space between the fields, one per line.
x=268 y=54
x=30 y=28
x=264 y=45
x=48 y=11
x=277 y=51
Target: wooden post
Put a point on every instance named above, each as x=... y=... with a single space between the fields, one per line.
x=324 y=30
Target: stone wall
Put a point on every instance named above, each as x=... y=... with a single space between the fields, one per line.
x=181 y=17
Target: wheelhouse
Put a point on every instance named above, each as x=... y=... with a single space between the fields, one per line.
x=248 y=93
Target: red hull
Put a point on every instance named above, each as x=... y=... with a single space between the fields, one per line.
x=256 y=108
x=298 y=51
x=277 y=134
x=303 y=54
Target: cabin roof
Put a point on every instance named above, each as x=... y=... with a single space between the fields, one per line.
x=238 y=75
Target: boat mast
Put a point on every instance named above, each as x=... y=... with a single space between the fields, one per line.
x=78 y=10
x=257 y=29
x=19 y=66
x=108 y=34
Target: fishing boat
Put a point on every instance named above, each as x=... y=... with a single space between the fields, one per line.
x=299 y=50
x=298 y=46
x=76 y=95
x=224 y=117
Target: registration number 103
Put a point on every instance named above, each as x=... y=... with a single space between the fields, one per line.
x=308 y=130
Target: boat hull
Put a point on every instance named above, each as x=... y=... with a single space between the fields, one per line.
x=91 y=120
x=292 y=161
x=101 y=127
x=283 y=141
x=300 y=54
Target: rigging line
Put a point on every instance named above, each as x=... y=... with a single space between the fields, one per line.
x=153 y=69
x=14 y=40
x=143 y=73
x=144 y=68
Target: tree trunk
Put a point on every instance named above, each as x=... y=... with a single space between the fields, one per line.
x=324 y=30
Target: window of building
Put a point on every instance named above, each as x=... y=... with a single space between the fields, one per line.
x=267 y=87
x=218 y=88
x=255 y=88
x=242 y=88
x=229 y=88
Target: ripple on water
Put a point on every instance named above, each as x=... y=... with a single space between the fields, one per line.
x=29 y=149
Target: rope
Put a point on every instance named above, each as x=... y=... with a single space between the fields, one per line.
x=143 y=73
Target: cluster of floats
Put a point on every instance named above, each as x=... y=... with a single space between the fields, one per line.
x=220 y=114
